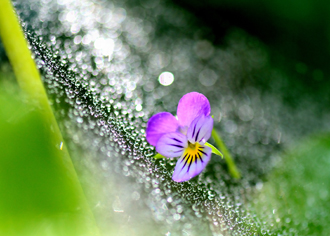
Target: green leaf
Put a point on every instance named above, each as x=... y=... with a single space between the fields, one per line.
x=214 y=149
x=159 y=156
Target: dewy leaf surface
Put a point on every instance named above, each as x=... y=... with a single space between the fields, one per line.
x=100 y=62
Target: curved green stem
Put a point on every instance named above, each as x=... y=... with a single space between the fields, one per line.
x=230 y=162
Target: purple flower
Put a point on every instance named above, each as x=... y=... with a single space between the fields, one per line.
x=184 y=136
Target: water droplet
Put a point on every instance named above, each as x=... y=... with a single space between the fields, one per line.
x=166 y=78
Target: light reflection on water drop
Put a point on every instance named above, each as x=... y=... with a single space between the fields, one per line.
x=166 y=78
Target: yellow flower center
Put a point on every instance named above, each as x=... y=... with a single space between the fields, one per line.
x=192 y=148
x=193 y=153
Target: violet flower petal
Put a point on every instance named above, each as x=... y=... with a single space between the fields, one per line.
x=200 y=129
x=160 y=124
x=191 y=106
x=172 y=144
x=188 y=166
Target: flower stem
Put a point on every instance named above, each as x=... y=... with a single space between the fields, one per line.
x=230 y=162
x=29 y=80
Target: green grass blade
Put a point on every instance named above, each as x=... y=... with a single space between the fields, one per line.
x=29 y=80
